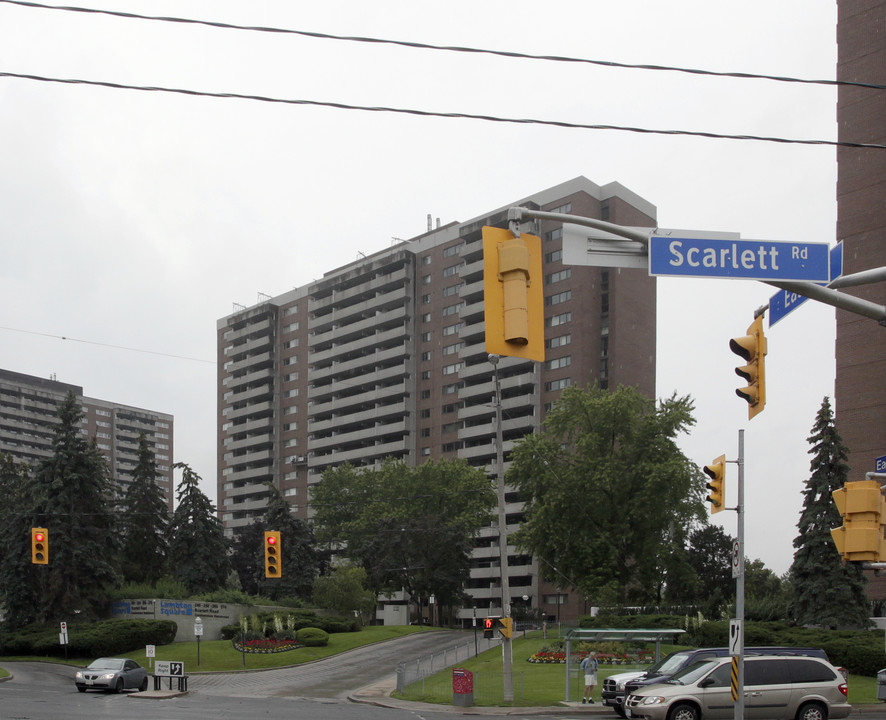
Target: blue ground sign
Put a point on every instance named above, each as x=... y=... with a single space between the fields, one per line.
x=743 y=259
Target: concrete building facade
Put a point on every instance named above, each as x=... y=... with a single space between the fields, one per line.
x=385 y=357
x=29 y=414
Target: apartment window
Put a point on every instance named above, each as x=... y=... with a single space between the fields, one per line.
x=426 y=317
x=451 y=290
x=425 y=374
x=426 y=337
x=557 y=363
x=560 y=384
x=555 y=256
x=560 y=599
x=101 y=423
x=559 y=276
x=425 y=451
x=290 y=377
x=426 y=260
x=451 y=270
x=565 y=208
x=426 y=432
x=554 y=235
x=426 y=355
x=558 y=341
x=451 y=389
x=290 y=310
x=103 y=413
x=452 y=309
x=425 y=299
x=558 y=298
x=425 y=413
x=452 y=329
x=451 y=408
x=452 y=427
x=452 y=250
x=425 y=394
x=426 y=279
x=292 y=327
x=555 y=320
x=291 y=344
x=452 y=369
x=452 y=349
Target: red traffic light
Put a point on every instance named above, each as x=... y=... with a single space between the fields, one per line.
x=487 y=623
x=39 y=537
x=271 y=540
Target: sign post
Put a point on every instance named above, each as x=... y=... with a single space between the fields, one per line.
x=198 y=633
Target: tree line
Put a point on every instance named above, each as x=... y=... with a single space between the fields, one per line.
x=612 y=510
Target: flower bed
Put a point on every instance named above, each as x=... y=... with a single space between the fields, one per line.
x=548 y=657
x=265 y=645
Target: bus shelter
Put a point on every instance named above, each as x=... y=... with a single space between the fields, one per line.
x=655 y=635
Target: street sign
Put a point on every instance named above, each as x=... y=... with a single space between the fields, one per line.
x=169 y=668
x=740 y=259
x=736 y=558
x=198 y=627
x=735 y=629
x=880 y=464
x=785 y=301
x=150 y=651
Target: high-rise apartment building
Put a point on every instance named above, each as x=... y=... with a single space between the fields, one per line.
x=860 y=395
x=385 y=357
x=29 y=414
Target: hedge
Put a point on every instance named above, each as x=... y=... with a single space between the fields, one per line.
x=312 y=637
x=108 y=637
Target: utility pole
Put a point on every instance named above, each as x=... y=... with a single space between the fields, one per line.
x=507 y=670
x=738 y=571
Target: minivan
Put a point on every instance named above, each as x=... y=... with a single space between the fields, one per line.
x=775 y=688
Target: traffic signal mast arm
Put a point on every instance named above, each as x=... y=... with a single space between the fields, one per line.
x=826 y=295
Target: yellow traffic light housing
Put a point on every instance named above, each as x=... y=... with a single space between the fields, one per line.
x=716 y=471
x=505 y=626
x=753 y=348
x=863 y=507
x=513 y=290
x=39 y=546
x=273 y=565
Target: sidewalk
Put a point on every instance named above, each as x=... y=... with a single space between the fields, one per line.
x=379 y=694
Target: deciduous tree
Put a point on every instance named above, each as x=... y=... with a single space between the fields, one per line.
x=607 y=490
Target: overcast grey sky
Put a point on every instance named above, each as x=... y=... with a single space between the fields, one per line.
x=135 y=220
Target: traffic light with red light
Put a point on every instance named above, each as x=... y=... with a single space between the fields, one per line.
x=752 y=348
x=716 y=471
x=513 y=294
x=39 y=546
x=489 y=628
x=273 y=564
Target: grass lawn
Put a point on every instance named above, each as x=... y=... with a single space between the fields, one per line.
x=540 y=685
x=220 y=655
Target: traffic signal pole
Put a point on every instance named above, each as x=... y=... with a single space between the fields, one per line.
x=738 y=569
x=506 y=658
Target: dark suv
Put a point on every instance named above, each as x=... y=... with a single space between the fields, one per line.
x=615 y=694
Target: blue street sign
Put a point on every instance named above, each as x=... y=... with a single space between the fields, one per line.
x=784 y=301
x=880 y=464
x=743 y=259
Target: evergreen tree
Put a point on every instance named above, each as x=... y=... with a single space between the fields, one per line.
x=74 y=501
x=145 y=521
x=19 y=578
x=246 y=556
x=298 y=558
x=198 y=551
x=826 y=592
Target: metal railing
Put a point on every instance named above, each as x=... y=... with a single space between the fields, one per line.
x=410 y=671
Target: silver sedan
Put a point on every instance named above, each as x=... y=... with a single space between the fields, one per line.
x=115 y=674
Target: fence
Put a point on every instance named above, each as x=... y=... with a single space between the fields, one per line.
x=488 y=688
x=410 y=671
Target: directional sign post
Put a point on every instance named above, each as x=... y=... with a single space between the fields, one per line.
x=742 y=259
x=785 y=301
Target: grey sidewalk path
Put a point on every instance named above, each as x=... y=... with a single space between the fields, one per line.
x=379 y=694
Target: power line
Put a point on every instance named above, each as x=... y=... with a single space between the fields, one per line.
x=443 y=48
x=108 y=345
x=448 y=115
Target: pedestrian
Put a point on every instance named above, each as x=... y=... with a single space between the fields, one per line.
x=589 y=667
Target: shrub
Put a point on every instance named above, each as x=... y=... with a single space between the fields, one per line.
x=108 y=637
x=312 y=637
